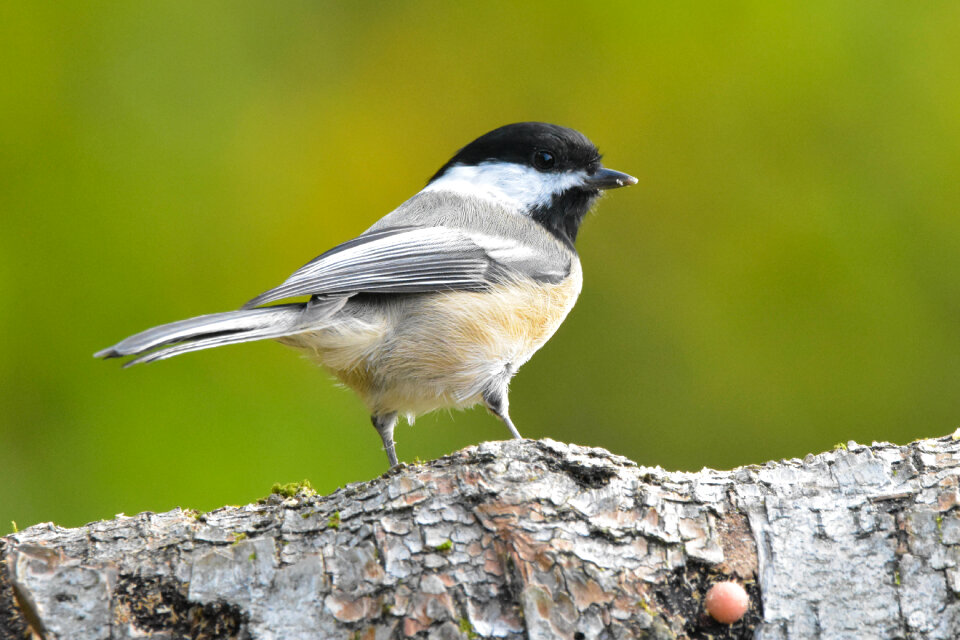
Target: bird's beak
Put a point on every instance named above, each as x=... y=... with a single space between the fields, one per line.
x=609 y=179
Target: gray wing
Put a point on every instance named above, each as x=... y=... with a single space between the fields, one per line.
x=415 y=259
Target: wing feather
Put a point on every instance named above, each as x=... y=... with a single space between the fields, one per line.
x=402 y=259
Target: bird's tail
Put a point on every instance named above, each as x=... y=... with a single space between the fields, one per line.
x=218 y=329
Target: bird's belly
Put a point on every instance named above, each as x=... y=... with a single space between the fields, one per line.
x=441 y=350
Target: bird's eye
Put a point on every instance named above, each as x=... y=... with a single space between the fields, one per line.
x=543 y=160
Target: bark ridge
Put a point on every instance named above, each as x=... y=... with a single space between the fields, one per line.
x=522 y=539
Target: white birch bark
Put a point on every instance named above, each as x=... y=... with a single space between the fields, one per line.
x=522 y=539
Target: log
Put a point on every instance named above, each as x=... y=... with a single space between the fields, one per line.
x=521 y=539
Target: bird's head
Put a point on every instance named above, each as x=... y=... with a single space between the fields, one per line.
x=548 y=172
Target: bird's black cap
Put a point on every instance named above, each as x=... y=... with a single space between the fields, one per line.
x=525 y=143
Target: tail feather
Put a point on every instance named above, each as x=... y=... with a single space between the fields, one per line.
x=217 y=329
x=216 y=340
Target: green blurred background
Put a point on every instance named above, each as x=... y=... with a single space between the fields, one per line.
x=784 y=277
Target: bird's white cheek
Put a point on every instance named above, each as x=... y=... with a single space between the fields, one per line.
x=516 y=186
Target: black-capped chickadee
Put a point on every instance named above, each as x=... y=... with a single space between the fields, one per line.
x=439 y=303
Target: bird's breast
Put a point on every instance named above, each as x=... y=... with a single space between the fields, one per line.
x=417 y=353
x=506 y=323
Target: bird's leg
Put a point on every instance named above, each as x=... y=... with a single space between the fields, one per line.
x=384 y=425
x=497 y=403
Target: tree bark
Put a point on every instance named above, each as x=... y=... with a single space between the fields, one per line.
x=522 y=539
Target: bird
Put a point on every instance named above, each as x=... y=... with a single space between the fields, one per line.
x=439 y=302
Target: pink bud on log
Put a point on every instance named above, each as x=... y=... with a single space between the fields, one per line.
x=727 y=602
